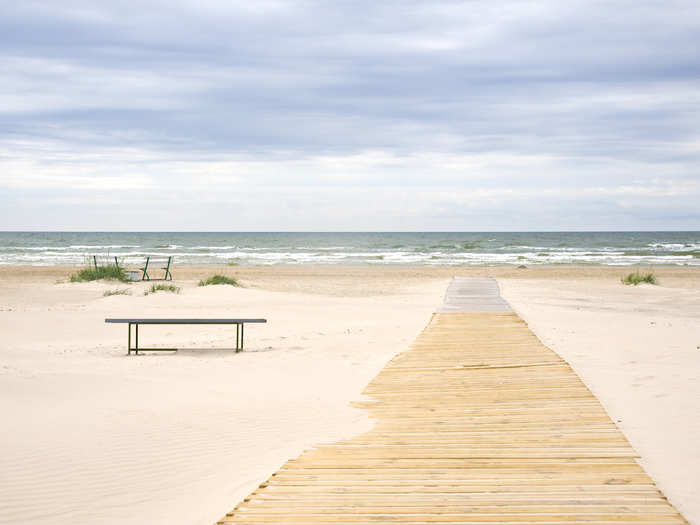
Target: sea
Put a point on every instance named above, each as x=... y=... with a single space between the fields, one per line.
x=433 y=248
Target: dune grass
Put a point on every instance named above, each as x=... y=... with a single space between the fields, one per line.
x=109 y=293
x=110 y=272
x=637 y=277
x=219 y=279
x=162 y=288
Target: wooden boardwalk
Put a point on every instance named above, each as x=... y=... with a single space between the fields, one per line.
x=478 y=422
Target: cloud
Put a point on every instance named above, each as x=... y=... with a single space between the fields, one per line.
x=543 y=110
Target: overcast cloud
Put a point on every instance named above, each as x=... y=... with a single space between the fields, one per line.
x=349 y=115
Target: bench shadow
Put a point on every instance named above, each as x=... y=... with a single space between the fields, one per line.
x=207 y=351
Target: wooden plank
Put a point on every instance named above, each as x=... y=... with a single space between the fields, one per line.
x=478 y=422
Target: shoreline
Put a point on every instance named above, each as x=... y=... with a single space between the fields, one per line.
x=192 y=271
x=347 y=280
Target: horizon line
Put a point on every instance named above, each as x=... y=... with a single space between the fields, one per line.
x=356 y=231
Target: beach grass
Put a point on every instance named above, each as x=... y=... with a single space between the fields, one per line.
x=637 y=277
x=109 y=293
x=110 y=272
x=162 y=288
x=218 y=279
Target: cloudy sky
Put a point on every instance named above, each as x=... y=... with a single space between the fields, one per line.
x=349 y=115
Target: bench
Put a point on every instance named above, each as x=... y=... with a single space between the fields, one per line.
x=167 y=277
x=137 y=321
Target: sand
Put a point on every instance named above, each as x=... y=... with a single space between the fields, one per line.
x=93 y=436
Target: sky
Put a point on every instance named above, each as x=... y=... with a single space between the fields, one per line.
x=347 y=115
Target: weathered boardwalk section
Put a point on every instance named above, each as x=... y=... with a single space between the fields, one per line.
x=478 y=422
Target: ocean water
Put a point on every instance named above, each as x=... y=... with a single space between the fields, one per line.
x=488 y=248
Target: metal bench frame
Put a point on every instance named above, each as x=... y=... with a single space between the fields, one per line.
x=168 y=276
x=136 y=322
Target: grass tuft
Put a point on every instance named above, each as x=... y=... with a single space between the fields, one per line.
x=90 y=273
x=636 y=277
x=219 y=279
x=109 y=293
x=162 y=288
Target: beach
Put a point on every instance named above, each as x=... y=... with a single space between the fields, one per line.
x=324 y=263
x=93 y=435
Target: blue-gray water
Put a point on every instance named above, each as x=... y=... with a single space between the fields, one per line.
x=603 y=248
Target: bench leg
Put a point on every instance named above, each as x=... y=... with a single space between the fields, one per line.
x=135 y=349
x=239 y=337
